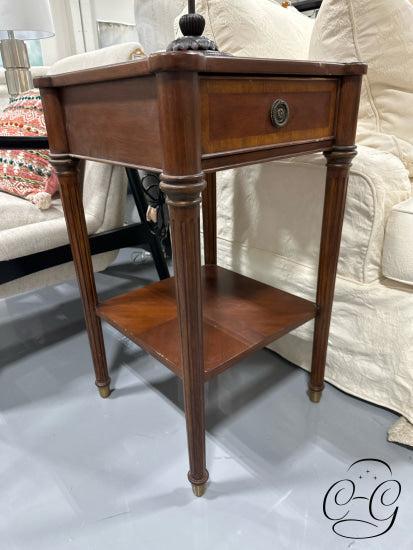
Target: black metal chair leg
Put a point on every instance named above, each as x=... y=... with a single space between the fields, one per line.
x=153 y=240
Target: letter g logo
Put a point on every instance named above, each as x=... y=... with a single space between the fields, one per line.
x=363 y=505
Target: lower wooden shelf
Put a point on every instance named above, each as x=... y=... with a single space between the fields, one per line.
x=240 y=316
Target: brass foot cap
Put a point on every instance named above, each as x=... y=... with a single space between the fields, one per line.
x=198 y=490
x=104 y=391
x=315 y=396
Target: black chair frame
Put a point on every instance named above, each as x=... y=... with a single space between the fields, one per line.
x=307 y=5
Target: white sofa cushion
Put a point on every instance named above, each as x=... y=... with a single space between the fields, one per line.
x=16 y=213
x=397 y=260
x=379 y=33
x=45 y=229
x=264 y=29
x=267 y=208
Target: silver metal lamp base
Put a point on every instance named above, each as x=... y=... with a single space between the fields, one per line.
x=17 y=66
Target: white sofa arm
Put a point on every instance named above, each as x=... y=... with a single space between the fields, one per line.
x=118 y=53
x=397 y=261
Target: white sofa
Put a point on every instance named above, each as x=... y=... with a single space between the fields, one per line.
x=25 y=229
x=269 y=215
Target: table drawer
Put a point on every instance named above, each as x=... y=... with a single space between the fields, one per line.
x=236 y=114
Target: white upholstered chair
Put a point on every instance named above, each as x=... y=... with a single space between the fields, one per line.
x=269 y=215
x=25 y=230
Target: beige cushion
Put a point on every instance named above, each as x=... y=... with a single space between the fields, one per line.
x=16 y=213
x=261 y=28
x=397 y=261
x=275 y=208
x=104 y=206
x=97 y=58
x=380 y=33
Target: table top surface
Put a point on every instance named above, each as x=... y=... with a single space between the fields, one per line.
x=201 y=63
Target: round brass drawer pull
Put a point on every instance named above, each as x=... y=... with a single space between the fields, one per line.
x=279 y=113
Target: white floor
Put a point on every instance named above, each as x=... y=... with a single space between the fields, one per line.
x=82 y=473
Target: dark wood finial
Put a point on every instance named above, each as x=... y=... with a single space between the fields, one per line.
x=192 y=26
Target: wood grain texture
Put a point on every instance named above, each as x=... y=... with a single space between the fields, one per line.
x=183 y=182
x=186 y=254
x=334 y=206
x=200 y=63
x=236 y=112
x=338 y=166
x=253 y=155
x=209 y=219
x=100 y=123
x=55 y=122
x=76 y=225
x=208 y=113
x=240 y=316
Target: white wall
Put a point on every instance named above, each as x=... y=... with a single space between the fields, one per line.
x=119 y=11
x=68 y=39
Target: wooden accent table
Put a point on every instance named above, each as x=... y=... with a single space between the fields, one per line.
x=187 y=115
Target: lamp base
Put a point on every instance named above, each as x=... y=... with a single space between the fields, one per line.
x=17 y=66
x=18 y=81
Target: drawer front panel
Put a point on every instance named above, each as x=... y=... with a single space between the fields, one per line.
x=236 y=114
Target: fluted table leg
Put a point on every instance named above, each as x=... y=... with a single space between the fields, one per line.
x=184 y=200
x=209 y=219
x=76 y=225
x=338 y=166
